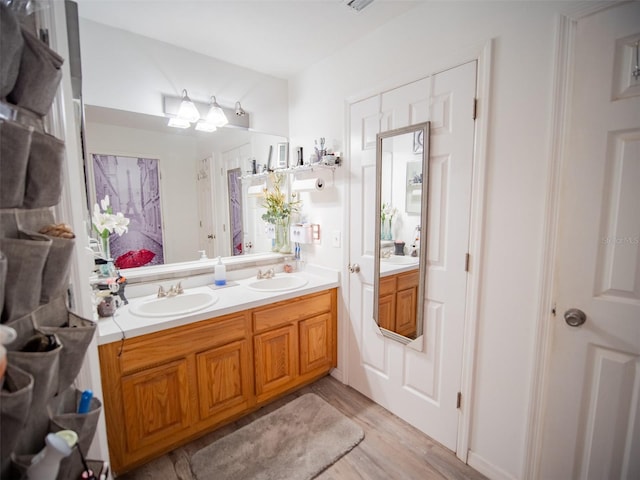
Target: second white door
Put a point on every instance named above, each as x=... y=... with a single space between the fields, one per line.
x=418 y=382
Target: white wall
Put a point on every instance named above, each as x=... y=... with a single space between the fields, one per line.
x=177 y=156
x=125 y=71
x=430 y=38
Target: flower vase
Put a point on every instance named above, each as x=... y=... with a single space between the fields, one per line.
x=286 y=244
x=107 y=269
x=276 y=243
x=106 y=248
x=385 y=230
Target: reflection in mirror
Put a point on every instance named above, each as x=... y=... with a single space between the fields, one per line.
x=194 y=168
x=402 y=170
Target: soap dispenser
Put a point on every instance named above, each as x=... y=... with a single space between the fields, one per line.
x=220 y=273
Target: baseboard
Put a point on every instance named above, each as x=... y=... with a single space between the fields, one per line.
x=487 y=469
x=337 y=374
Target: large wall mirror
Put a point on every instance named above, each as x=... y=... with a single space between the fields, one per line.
x=200 y=209
x=402 y=173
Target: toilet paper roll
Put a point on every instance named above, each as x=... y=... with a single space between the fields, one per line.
x=308 y=184
x=256 y=190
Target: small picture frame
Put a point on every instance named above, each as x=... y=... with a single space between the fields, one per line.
x=282 y=156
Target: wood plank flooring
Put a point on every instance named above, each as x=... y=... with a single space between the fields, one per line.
x=391 y=449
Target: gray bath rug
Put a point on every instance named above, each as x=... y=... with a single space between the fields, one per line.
x=295 y=442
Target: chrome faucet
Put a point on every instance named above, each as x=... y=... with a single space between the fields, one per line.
x=172 y=292
x=385 y=253
x=268 y=274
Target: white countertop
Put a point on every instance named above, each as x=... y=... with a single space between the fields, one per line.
x=124 y=324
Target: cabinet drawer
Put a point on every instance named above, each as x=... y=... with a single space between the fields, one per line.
x=291 y=311
x=408 y=280
x=142 y=352
x=387 y=285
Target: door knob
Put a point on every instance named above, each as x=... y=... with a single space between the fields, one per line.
x=574 y=317
x=355 y=268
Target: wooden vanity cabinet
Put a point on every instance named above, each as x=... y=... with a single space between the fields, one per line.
x=397 y=303
x=294 y=342
x=163 y=389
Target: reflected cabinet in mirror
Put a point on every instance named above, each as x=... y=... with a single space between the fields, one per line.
x=402 y=173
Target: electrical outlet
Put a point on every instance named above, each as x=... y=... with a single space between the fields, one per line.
x=335 y=238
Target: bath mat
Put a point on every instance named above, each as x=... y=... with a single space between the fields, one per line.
x=295 y=442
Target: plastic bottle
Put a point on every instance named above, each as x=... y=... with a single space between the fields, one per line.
x=85 y=401
x=45 y=465
x=220 y=273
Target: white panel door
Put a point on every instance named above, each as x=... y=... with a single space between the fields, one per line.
x=206 y=221
x=420 y=382
x=592 y=424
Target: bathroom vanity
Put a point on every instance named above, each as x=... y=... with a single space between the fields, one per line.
x=191 y=375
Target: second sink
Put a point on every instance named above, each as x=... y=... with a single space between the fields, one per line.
x=278 y=283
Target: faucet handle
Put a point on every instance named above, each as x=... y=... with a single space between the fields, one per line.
x=179 y=288
x=161 y=292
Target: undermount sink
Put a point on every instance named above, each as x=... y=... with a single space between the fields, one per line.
x=278 y=284
x=182 y=304
x=400 y=260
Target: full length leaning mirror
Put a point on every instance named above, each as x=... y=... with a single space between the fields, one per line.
x=402 y=174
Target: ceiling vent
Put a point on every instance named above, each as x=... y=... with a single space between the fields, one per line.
x=358 y=5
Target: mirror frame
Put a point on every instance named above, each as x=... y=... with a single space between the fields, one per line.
x=424 y=206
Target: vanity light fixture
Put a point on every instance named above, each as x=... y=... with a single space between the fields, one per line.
x=239 y=110
x=205 y=126
x=188 y=111
x=216 y=115
x=178 y=123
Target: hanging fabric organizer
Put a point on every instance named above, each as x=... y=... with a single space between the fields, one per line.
x=37 y=395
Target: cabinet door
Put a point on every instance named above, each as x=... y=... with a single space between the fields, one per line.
x=156 y=404
x=224 y=380
x=406 y=311
x=387 y=312
x=316 y=343
x=276 y=355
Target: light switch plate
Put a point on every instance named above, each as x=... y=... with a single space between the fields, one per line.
x=335 y=238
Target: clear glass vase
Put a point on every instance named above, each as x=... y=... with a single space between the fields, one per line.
x=106 y=248
x=283 y=244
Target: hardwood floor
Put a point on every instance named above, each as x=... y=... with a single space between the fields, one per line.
x=391 y=449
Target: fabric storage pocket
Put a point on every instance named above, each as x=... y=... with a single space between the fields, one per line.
x=44 y=171
x=73 y=331
x=43 y=366
x=15 y=402
x=11 y=44
x=63 y=415
x=55 y=275
x=38 y=77
x=15 y=145
x=26 y=258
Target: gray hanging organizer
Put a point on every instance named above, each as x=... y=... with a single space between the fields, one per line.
x=37 y=396
x=15 y=403
x=55 y=274
x=38 y=77
x=44 y=367
x=74 y=332
x=26 y=258
x=15 y=143
x=62 y=414
x=44 y=171
x=11 y=44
